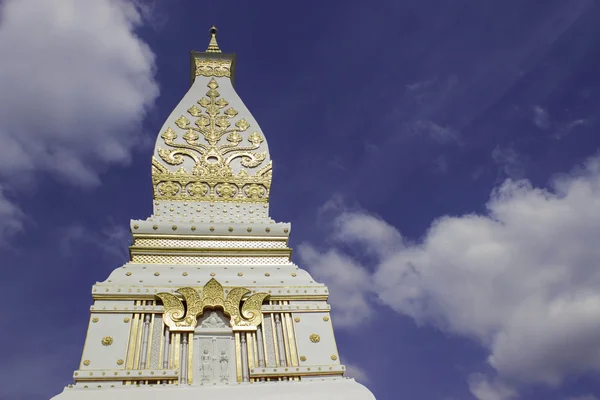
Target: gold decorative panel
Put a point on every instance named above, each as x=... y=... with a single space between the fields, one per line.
x=183 y=319
x=212 y=177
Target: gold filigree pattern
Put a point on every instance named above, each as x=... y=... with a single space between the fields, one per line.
x=183 y=319
x=213 y=67
x=212 y=177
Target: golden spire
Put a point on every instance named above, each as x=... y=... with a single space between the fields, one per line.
x=213 y=46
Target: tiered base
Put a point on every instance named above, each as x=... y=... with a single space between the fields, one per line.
x=342 y=389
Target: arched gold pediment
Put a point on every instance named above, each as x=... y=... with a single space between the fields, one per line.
x=183 y=318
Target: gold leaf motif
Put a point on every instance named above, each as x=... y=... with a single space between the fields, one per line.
x=168 y=135
x=231 y=112
x=191 y=136
x=315 y=338
x=255 y=138
x=197 y=189
x=182 y=122
x=226 y=190
x=169 y=188
x=107 y=341
x=194 y=111
x=242 y=125
x=254 y=191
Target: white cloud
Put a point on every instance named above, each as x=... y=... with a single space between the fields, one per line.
x=353 y=371
x=441 y=134
x=541 y=118
x=510 y=163
x=76 y=83
x=11 y=217
x=483 y=389
x=523 y=279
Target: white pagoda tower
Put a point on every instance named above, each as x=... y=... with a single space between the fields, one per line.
x=210 y=305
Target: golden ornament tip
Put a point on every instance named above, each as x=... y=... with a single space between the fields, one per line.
x=213 y=46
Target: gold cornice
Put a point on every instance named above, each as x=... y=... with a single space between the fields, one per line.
x=208 y=237
x=212 y=251
x=151 y=296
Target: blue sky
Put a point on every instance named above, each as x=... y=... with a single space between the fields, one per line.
x=438 y=162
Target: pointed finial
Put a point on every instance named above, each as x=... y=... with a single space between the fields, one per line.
x=213 y=46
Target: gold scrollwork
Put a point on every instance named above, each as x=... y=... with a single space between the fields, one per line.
x=212 y=177
x=183 y=319
x=213 y=67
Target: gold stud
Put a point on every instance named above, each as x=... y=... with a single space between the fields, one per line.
x=249 y=229
x=95 y=319
x=174 y=227
x=212 y=274
x=230 y=229
x=240 y=274
x=297 y=319
x=267 y=274
x=156 y=273
x=286 y=230
x=107 y=341
x=136 y=226
x=185 y=274
x=212 y=228
x=155 y=227
x=315 y=338
x=86 y=362
x=293 y=274
x=193 y=228
x=267 y=229
x=128 y=273
x=326 y=318
x=126 y=320
x=334 y=357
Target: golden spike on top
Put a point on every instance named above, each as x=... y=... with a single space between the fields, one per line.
x=213 y=46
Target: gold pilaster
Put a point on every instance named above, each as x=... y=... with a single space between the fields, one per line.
x=238 y=356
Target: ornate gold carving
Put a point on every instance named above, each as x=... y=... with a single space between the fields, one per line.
x=315 y=338
x=212 y=177
x=180 y=319
x=107 y=341
x=213 y=67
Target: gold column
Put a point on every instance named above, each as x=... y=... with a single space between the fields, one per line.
x=238 y=356
x=190 y=357
x=176 y=350
x=132 y=340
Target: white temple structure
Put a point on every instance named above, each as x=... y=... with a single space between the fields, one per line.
x=210 y=305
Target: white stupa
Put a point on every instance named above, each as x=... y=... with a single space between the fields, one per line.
x=210 y=305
